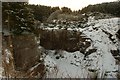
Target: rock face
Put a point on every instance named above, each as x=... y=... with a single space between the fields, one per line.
x=60 y=39
x=118 y=34
x=25 y=51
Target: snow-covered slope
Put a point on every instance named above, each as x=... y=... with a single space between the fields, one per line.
x=100 y=64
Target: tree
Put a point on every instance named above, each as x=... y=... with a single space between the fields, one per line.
x=66 y=10
x=17 y=17
x=109 y=8
x=53 y=9
x=41 y=13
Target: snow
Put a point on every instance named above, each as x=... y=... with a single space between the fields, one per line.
x=1 y=71
x=103 y=43
x=31 y=69
x=73 y=65
x=8 y=55
x=66 y=67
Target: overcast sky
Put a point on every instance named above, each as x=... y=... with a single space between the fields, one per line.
x=73 y=4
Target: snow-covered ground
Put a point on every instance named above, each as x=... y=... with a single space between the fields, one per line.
x=100 y=64
x=65 y=65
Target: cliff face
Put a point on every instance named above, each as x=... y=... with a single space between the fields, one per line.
x=26 y=53
x=20 y=54
x=68 y=40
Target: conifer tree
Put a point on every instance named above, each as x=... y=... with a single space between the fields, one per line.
x=17 y=17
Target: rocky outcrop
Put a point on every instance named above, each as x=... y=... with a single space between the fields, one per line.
x=60 y=39
x=25 y=50
x=118 y=34
x=21 y=58
x=115 y=52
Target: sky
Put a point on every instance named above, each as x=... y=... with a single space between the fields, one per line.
x=73 y=4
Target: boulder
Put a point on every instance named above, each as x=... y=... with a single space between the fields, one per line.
x=118 y=34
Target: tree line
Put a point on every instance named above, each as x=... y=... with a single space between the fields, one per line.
x=42 y=12
x=21 y=16
x=108 y=8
